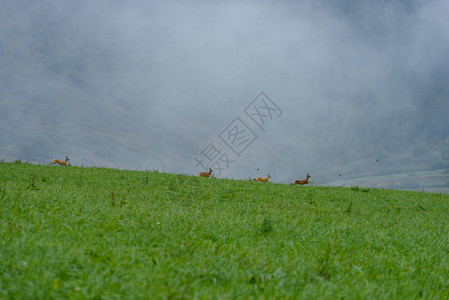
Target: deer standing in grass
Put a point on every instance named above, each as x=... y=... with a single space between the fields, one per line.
x=305 y=181
x=262 y=179
x=60 y=162
x=206 y=174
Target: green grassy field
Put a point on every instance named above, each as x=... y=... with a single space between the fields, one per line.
x=436 y=181
x=112 y=234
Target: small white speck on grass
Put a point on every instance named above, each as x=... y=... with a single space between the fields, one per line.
x=158 y=223
x=358 y=269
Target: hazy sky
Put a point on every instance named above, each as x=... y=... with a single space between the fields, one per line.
x=147 y=85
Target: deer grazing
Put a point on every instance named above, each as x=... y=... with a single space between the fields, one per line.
x=60 y=162
x=305 y=181
x=262 y=179
x=206 y=174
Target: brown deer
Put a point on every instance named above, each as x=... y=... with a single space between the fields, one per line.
x=305 y=181
x=60 y=162
x=205 y=174
x=262 y=179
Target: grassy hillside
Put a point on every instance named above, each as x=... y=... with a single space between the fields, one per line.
x=436 y=181
x=108 y=234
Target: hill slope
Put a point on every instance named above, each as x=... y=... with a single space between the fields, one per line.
x=430 y=181
x=89 y=232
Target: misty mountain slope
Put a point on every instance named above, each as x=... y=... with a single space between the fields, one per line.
x=363 y=85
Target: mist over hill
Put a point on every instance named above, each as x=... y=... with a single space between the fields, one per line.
x=362 y=86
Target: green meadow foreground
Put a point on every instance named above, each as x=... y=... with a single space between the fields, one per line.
x=71 y=232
